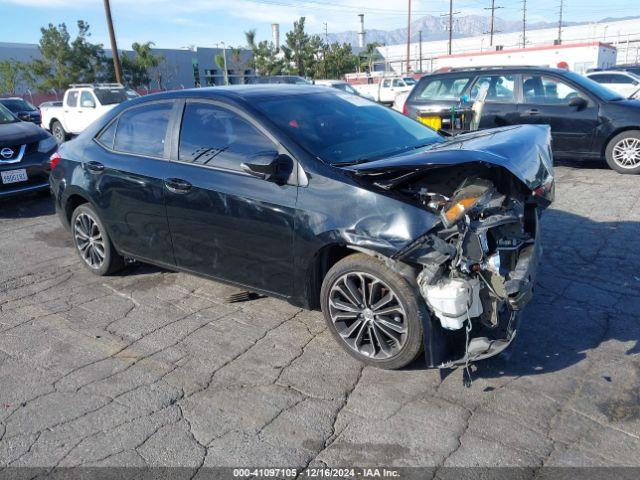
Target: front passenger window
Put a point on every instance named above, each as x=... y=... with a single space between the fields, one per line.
x=215 y=136
x=545 y=90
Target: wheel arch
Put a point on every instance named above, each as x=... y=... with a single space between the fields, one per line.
x=321 y=263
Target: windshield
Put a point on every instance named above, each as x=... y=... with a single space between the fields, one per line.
x=409 y=81
x=6 y=116
x=17 y=105
x=342 y=129
x=110 y=96
x=594 y=87
x=345 y=87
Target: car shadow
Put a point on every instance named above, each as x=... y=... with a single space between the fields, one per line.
x=587 y=293
x=30 y=205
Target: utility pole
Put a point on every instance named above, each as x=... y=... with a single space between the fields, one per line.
x=524 y=23
x=420 y=48
x=326 y=34
x=324 y=49
x=409 y=37
x=560 y=23
x=114 y=47
x=450 y=15
x=493 y=9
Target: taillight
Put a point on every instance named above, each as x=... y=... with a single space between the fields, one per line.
x=405 y=111
x=54 y=159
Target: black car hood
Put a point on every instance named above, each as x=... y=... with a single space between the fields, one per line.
x=523 y=150
x=19 y=133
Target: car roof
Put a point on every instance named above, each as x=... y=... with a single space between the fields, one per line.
x=496 y=69
x=607 y=72
x=11 y=98
x=236 y=92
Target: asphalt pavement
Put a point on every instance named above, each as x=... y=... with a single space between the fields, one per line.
x=152 y=368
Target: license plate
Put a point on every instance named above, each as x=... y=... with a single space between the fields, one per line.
x=434 y=122
x=14 y=176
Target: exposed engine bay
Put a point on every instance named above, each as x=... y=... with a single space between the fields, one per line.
x=476 y=268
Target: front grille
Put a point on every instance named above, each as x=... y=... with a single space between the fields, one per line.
x=13 y=153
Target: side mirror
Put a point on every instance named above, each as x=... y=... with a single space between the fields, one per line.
x=270 y=166
x=578 y=103
x=88 y=104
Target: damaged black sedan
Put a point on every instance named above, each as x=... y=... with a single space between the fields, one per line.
x=409 y=242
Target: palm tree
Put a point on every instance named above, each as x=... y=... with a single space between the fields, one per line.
x=370 y=53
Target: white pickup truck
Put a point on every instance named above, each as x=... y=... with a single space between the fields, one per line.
x=386 y=89
x=82 y=104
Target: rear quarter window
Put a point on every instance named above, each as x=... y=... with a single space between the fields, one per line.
x=447 y=88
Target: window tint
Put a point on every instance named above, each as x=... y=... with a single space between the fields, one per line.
x=86 y=96
x=72 y=99
x=386 y=84
x=602 y=78
x=398 y=83
x=547 y=90
x=142 y=130
x=108 y=135
x=442 y=88
x=500 y=88
x=211 y=135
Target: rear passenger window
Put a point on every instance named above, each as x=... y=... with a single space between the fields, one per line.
x=211 y=135
x=142 y=130
x=72 y=99
x=500 y=88
x=443 y=88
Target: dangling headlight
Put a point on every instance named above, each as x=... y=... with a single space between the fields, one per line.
x=468 y=196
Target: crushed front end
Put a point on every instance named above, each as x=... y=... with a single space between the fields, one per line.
x=476 y=268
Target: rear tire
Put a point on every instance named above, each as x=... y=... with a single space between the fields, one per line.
x=92 y=242
x=383 y=326
x=58 y=131
x=623 y=152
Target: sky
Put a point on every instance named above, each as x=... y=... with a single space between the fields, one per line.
x=205 y=23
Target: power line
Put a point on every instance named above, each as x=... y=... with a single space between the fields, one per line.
x=117 y=67
x=493 y=9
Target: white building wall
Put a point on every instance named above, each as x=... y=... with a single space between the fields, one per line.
x=623 y=34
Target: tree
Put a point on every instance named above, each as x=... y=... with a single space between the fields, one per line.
x=302 y=51
x=336 y=60
x=265 y=60
x=11 y=73
x=137 y=69
x=369 y=56
x=64 y=62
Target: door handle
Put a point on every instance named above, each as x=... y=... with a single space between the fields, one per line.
x=94 y=167
x=532 y=111
x=177 y=185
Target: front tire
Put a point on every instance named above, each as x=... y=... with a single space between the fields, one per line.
x=373 y=312
x=623 y=152
x=58 y=131
x=92 y=242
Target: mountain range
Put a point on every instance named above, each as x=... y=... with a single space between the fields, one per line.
x=436 y=28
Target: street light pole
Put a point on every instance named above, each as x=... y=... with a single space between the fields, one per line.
x=114 y=47
x=420 y=49
x=224 y=63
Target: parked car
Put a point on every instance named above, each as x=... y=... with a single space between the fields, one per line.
x=82 y=104
x=282 y=79
x=341 y=85
x=627 y=84
x=22 y=109
x=325 y=200
x=386 y=90
x=25 y=149
x=587 y=120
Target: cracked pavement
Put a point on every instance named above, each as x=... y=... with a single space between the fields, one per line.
x=153 y=368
